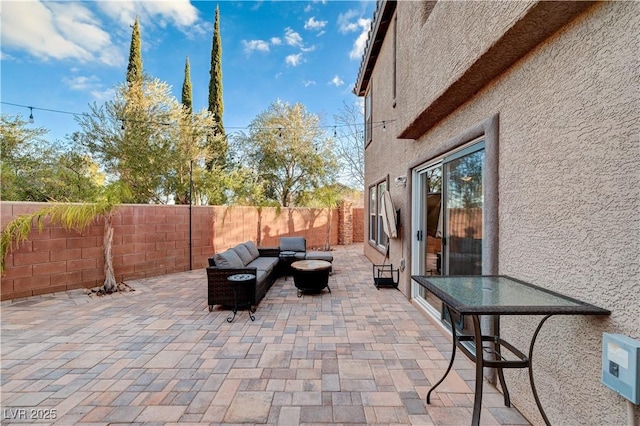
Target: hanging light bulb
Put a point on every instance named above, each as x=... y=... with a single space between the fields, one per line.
x=31 y=115
x=280 y=129
x=384 y=125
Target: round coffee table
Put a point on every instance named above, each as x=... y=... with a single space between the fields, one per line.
x=311 y=275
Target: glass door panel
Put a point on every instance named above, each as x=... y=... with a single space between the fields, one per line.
x=430 y=234
x=464 y=214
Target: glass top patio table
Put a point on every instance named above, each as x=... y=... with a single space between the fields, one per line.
x=497 y=295
x=502 y=295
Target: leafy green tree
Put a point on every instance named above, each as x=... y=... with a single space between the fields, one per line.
x=289 y=152
x=216 y=104
x=35 y=170
x=185 y=195
x=134 y=69
x=187 y=92
x=190 y=156
x=136 y=150
x=151 y=151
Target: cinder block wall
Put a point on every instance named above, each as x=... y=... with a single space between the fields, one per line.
x=149 y=240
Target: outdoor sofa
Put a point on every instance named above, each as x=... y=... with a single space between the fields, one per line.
x=265 y=263
x=244 y=258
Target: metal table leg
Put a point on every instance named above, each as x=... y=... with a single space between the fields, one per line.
x=477 y=399
x=503 y=383
x=235 y=305
x=533 y=386
x=453 y=356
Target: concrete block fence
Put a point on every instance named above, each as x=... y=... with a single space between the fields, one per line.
x=153 y=240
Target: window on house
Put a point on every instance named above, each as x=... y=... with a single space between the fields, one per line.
x=367 y=118
x=377 y=236
x=373 y=209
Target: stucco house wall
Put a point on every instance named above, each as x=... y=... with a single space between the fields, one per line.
x=569 y=160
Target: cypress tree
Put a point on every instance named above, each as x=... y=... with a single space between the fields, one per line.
x=186 y=88
x=134 y=69
x=216 y=106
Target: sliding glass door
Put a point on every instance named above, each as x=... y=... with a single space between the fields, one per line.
x=448 y=202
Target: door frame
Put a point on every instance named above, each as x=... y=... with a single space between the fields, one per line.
x=489 y=130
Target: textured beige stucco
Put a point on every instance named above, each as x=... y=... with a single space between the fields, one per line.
x=569 y=170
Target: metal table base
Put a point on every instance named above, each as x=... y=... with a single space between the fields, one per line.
x=499 y=364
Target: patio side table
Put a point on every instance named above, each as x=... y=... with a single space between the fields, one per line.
x=241 y=280
x=496 y=295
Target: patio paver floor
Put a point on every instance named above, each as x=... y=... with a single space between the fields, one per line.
x=357 y=355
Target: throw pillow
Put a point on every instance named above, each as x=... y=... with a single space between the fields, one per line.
x=244 y=254
x=250 y=245
x=228 y=259
x=293 y=244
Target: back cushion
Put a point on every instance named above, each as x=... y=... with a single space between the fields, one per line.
x=250 y=245
x=244 y=254
x=293 y=244
x=228 y=259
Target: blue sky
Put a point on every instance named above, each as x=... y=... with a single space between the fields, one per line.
x=64 y=55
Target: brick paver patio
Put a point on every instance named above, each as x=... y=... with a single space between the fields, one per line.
x=158 y=356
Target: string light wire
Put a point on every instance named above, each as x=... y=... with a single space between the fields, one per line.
x=280 y=129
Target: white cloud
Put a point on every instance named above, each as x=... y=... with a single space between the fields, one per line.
x=102 y=95
x=90 y=84
x=313 y=25
x=6 y=57
x=81 y=82
x=72 y=30
x=255 y=45
x=276 y=41
x=180 y=13
x=336 y=81
x=350 y=22
x=292 y=38
x=39 y=35
x=294 y=60
x=347 y=22
x=358 y=46
x=308 y=83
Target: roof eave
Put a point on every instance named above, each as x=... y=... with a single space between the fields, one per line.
x=380 y=25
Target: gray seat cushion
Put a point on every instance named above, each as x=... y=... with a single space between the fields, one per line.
x=298 y=244
x=264 y=264
x=261 y=275
x=319 y=255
